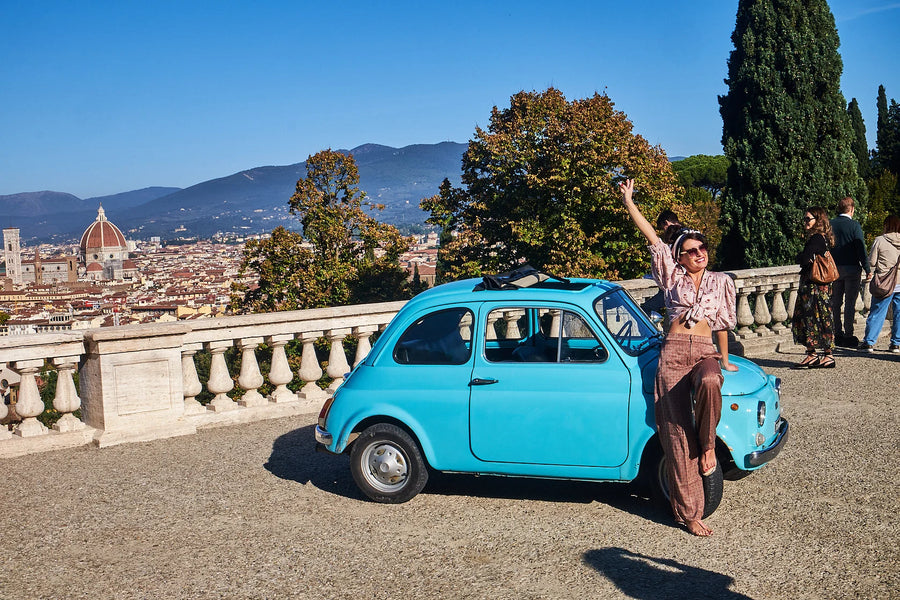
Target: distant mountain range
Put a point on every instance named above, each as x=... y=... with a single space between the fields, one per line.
x=251 y=201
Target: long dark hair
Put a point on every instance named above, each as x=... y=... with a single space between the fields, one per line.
x=823 y=225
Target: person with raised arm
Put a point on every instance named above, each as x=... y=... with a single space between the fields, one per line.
x=700 y=308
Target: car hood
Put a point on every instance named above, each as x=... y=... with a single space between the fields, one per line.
x=746 y=380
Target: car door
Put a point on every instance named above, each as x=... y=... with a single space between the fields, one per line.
x=546 y=390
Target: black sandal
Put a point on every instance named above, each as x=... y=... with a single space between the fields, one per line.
x=810 y=362
x=825 y=362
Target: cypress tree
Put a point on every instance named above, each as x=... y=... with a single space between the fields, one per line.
x=860 y=146
x=785 y=130
x=881 y=127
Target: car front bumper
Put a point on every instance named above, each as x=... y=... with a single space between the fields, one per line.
x=761 y=457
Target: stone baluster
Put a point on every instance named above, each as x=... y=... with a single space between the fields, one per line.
x=792 y=300
x=29 y=404
x=280 y=373
x=744 y=316
x=337 y=360
x=190 y=381
x=555 y=323
x=250 y=378
x=66 y=399
x=362 y=335
x=465 y=327
x=761 y=315
x=512 y=324
x=310 y=371
x=865 y=297
x=491 y=333
x=220 y=382
x=779 y=312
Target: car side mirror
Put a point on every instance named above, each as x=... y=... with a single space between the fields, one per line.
x=657 y=319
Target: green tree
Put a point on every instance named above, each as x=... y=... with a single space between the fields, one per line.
x=541 y=186
x=889 y=140
x=703 y=171
x=881 y=127
x=342 y=254
x=884 y=200
x=859 y=144
x=785 y=130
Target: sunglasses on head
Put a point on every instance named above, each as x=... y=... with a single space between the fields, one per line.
x=694 y=252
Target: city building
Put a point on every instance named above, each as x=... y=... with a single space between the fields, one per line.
x=104 y=251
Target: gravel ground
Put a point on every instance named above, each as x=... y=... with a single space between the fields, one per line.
x=251 y=511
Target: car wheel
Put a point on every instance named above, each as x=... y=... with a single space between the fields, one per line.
x=387 y=465
x=713 y=485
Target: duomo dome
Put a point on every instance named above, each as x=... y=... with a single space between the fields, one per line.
x=103 y=244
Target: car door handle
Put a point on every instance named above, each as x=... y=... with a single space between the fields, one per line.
x=479 y=381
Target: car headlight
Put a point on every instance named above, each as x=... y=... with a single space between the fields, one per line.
x=761 y=413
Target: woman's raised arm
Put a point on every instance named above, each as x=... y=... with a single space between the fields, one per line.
x=643 y=225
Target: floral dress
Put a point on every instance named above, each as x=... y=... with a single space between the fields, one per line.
x=812 y=324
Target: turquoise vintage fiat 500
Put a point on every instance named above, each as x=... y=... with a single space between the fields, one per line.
x=553 y=379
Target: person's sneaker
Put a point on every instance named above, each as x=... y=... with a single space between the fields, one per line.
x=864 y=347
x=894 y=348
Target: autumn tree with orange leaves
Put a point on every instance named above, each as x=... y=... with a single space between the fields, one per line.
x=540 y=185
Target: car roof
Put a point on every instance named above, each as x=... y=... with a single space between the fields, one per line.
x=465 y=290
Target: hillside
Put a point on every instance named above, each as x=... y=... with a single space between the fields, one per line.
x=250 y=201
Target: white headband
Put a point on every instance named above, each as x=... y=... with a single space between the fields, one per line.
x=684 y=232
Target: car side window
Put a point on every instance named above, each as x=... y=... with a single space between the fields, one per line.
x=439 y=338
x=540 y=335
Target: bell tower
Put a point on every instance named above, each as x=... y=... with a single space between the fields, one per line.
x=12 y=253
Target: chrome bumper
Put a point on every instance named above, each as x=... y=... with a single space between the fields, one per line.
x=761 y=457
x=322 y=436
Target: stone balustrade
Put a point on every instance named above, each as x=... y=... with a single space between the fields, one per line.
x=141 y=382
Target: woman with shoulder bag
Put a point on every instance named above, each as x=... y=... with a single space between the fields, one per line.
x=884 y=258
x=812 y=324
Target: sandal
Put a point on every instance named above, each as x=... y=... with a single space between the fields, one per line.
x=825 y=362
x=810 y=362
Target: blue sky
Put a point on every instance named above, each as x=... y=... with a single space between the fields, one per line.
x=103 y=97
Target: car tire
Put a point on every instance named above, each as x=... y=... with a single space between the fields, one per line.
x=387 y=465
x=655 y=476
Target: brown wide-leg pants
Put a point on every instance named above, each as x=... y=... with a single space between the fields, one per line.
x=686 y=425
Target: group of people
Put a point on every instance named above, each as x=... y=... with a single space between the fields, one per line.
x=825 y=313
x=701 y=310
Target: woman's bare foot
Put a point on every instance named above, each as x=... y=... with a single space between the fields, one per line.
x=698 y=528
x=708 y=462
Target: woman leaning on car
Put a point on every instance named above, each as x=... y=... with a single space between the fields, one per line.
x=701 y=307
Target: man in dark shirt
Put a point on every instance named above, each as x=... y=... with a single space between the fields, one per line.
x=850 y=256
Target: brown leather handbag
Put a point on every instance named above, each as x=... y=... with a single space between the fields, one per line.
x=823 y=269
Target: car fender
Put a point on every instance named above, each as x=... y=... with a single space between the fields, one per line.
x=384 y=412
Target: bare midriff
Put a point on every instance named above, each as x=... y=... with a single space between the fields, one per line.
x=700 y=328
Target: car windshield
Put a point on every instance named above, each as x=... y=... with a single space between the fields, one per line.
x=631 y=329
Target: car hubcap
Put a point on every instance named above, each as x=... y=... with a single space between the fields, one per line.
x=385 y=467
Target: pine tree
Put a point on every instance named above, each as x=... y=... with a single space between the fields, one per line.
x=860 y=146
x=785 y=130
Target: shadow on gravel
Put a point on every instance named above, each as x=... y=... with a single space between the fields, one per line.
x=648 y=578
x=294 y=458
